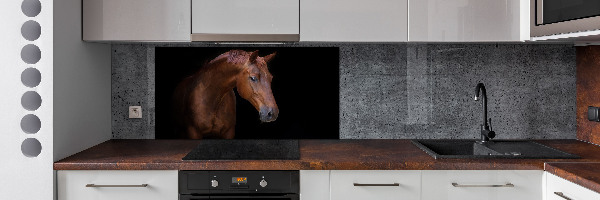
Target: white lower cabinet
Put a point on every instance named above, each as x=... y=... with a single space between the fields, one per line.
x=314 y=184
x=482 y=184
x=340 y=185
x=375 y=185
x=561 y=189
x=117 y=184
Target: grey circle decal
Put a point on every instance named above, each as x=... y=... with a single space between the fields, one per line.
x=31 y=100
x=31 y=30
x=30 y=124
x=31 y=54
x=31 y=8
x=31 y=147
x=31 y=77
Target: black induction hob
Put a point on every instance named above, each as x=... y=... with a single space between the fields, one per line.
x=245 y=150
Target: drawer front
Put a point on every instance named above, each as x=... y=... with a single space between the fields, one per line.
x=408 y=184
x=482 y=184
x=566 y=189
x=162 y=185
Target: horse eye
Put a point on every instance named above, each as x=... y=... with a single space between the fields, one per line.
x=253 y=78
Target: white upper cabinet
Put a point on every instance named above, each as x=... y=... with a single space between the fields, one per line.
x=354 y=20
x=468 y=20
x=244 y=20
x=136 y=20
x=307 y=20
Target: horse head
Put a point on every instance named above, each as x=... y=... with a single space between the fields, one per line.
x=254 y=85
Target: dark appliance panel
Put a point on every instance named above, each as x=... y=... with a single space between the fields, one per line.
x=282 y=197
x=273 y=182
x=239 y=185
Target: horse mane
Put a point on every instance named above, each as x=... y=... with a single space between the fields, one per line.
x=238 y=57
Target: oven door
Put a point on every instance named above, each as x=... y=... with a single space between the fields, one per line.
x=237 y=197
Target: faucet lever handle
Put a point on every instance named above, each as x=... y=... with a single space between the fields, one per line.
x=491 y=125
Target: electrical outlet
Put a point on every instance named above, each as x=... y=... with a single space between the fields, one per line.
x=135 y=112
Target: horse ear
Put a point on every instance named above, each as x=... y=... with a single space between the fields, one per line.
x=269 y=57
x=253 y=56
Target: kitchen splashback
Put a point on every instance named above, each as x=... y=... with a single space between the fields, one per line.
x=396 y=91
x=295 y=88
x=588 y=84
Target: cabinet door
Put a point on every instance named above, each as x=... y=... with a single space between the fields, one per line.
x=468 y=20
x=354 y=20
x=117 y=185
x=561 y=189
x=482 y=184
x=136 y=20
x=314 y=184
x=371 y=185
x=245 y=17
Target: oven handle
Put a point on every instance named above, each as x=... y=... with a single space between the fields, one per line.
x=249 y=197
x=192 y=197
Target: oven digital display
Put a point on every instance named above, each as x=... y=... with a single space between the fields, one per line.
x=239 y=180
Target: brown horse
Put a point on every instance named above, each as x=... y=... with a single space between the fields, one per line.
x=205 y=101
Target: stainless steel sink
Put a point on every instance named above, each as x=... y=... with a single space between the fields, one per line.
x=492 y=149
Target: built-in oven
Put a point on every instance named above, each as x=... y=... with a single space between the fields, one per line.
x=234 y=185
x=553 y=17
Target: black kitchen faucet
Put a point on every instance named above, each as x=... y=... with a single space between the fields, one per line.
x=486 y=130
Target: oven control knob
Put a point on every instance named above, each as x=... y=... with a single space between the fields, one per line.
x=214 y=183
x=263 y=183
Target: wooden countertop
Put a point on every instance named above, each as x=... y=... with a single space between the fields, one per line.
x=315 y=155
x=331 y=155
x=581 y=173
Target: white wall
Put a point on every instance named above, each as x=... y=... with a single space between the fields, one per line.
x=82 y=84
x=24 y=177
x=74 y=88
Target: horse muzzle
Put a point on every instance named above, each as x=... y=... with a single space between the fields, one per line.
x=268 y=114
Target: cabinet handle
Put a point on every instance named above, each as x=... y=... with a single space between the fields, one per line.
x=505 y=185
x=94 y=185
x=560 y=194
x=361 y=184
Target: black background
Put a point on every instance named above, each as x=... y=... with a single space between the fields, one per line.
x=305 y=86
